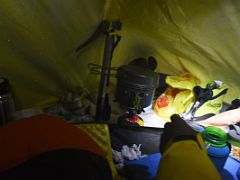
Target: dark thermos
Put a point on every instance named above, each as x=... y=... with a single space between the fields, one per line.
x=6 y=102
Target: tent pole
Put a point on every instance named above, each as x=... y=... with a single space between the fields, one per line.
x=103 y=109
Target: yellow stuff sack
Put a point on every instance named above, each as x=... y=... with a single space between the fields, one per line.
x=177 y=97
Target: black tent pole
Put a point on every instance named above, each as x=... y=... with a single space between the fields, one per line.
x=103 y=109
x=101 y=104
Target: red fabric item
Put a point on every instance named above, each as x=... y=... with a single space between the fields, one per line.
x=25 y=138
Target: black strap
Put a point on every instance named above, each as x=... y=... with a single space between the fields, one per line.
x=234 y=104
x=101 y=29
x=219 y=94
x=204 y=94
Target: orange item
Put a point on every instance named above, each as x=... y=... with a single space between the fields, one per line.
x=26 y=138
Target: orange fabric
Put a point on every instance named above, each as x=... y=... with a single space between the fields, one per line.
x=23 y=139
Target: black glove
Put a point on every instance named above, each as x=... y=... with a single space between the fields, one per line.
x=178 y=129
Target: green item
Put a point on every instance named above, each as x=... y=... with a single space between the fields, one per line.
x=234 y=135
x=215 y=137
x=234 y=142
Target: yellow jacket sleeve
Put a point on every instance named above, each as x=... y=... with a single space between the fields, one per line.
x=186 y=160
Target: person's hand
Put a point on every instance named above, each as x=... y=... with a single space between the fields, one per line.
x=178 y=127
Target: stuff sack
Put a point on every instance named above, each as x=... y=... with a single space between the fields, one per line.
x=177 y=97
x=193 y=100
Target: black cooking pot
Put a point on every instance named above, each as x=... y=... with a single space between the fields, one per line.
x=132 y=79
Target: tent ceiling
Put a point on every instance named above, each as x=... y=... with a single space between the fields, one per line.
x=38 y=39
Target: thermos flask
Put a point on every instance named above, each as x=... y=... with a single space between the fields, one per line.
x=6 y=102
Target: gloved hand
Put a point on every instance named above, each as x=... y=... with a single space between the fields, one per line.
x=178 y=128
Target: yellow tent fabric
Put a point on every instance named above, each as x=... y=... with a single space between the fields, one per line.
x=100 y=134
x=37 y=47
x=38 y=38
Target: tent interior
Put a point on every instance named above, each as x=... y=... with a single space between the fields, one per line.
x=38 y=42
x=39 y=52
